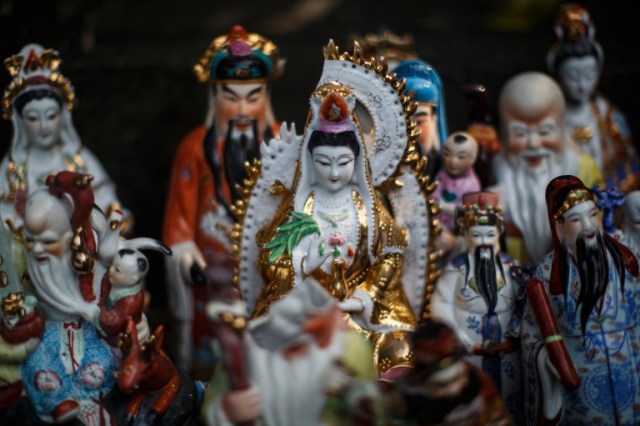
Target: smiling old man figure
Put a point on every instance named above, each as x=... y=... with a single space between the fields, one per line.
x=590 y=282
x=534 y=150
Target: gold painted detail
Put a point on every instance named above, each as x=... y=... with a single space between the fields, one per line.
x=575 y=197
x=50 y=61
x=13 y=304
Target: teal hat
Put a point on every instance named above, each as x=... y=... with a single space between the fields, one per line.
x=239 y=56
x=424 y=86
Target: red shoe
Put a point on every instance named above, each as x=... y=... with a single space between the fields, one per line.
x=65 y=411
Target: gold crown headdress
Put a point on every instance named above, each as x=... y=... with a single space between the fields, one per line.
x=33 y=68
x=480 y=208
x=240 y=44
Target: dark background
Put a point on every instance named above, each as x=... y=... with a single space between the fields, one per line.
x=130 y=62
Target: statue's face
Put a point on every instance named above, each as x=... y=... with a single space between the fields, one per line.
x=582 y=219
x=47 y=229
x=483 y=235
x=242 y=103
x=333 y=166
x=579 y=78
x=534 y=143
x=41 y=119
x=459 y=157
x=427 y=121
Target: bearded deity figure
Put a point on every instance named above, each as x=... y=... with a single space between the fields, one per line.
x=600 y=129
x=331 y=216
x=534 y=150
x=479 y=296
x=580 y=322
x=238 y=69
x=69 y=373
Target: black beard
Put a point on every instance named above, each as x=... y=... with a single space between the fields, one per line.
x=593 y=270
x=236 y=152
x=485 y=273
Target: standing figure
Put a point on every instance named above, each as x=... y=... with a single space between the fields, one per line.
x=320 y=206
x=534 y=150
x=425 y=87
x=457 y=177
x=38 y=101
x=589 y=282
x=443 y=388
x=601 y=130
x=209 y=163
x=292 y=356
x=479 y=297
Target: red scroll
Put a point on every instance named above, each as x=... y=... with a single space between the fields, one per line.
x=553 y=340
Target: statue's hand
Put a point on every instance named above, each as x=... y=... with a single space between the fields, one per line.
x=317 y=254
x=352 y=304
x=187 y=259
x=242 y=406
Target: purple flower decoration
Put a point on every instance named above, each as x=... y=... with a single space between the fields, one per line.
x=239 y=48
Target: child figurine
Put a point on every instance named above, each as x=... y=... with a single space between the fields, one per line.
x=457 y=177
x=122 y=295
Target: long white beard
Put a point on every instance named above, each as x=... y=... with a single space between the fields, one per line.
x=58 y=289
x=524 y=198
x=293 y=390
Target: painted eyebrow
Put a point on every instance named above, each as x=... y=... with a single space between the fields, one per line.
x=227 y=89
x=420 y=114
x=254 y=91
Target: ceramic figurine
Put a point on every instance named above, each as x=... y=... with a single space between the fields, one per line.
x=631 y=224
x=456 y=177
x=70 y=374
x=122 y=292
x=208 y=165
x=534 y=150
x=38 y=101
x=479 y=297
x=481 y=126
x=292 y=356
x=576 y=60
x=443 y=388
x=579 y=330
x=315 y=208
x=425 y=87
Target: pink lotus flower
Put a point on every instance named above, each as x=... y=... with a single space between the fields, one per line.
x=336 y=240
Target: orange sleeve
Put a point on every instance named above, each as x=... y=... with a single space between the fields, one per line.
x=181 y=212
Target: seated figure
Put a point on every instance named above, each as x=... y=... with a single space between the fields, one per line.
x=333 y=217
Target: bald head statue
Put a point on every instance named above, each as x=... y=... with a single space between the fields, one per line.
x=532 y=111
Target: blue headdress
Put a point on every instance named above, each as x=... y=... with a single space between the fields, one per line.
x=424 y=86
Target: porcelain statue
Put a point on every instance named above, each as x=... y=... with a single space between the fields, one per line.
x=600 y=129
x=534 y=150
x=579 y=331
x=315 y=209
x=208 y=165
